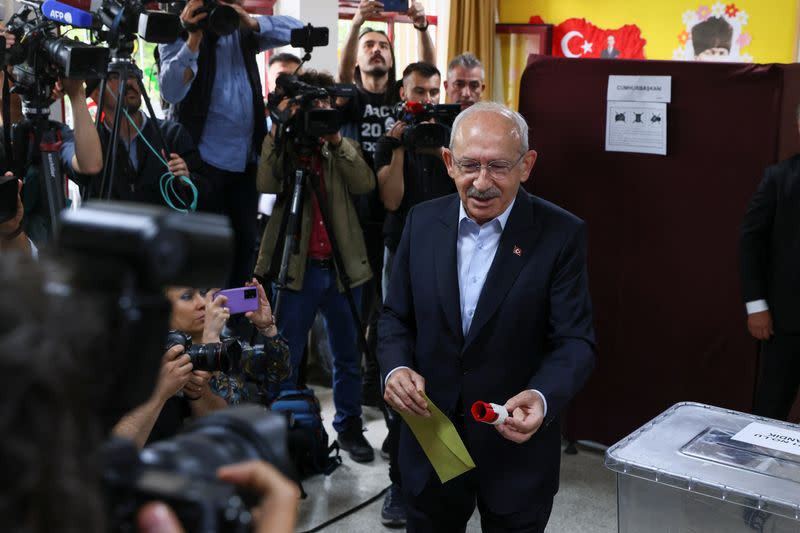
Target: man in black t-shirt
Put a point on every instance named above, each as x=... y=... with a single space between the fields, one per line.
x=406 y=177
x=367 y=60
x=409 y=175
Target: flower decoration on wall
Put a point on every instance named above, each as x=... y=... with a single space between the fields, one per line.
x=714 y=34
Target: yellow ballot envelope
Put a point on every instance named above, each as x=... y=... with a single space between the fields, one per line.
x=441 y=442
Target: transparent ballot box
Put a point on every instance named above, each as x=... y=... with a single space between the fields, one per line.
x=702 y=469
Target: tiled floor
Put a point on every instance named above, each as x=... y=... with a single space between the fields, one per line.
x=586 y=501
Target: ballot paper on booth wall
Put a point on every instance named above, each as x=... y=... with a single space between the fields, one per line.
x=441 y=442
x=636 y=114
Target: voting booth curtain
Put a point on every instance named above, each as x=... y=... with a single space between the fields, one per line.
x=663 y=230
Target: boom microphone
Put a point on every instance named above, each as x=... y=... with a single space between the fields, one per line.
x=66 y=14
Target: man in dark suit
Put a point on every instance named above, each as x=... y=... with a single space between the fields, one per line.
x=489 y=301
x=770 y=270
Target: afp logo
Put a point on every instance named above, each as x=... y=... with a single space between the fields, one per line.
x=66 y=16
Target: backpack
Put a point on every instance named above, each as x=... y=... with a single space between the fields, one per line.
x=308 y=440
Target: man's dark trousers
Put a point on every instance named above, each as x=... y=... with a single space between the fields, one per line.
x=234 y=195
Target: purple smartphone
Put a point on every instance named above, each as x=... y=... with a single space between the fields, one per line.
x=240 y=299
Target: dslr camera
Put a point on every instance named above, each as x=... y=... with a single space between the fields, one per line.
x=224 y=356
x=222 y=19
x=181 y=471
x=423 y=134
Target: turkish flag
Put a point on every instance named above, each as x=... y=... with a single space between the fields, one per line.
x=580 y=38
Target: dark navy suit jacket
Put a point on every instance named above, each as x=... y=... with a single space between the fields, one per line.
x=532 y=329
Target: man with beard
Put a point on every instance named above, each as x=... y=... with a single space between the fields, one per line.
x=367 y=60
x=465 y=80
x=147 y=172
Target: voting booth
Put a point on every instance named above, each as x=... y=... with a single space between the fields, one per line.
x=663 y=229
x=702 y=468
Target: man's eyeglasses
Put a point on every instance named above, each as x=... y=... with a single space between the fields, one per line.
x=498 y=169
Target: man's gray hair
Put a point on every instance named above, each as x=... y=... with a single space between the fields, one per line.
x=520 y=126
x=466 y=60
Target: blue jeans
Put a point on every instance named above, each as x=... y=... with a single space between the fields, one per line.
x=297 y=313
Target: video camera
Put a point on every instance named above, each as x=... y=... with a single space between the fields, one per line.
x=40 y=56
x=124 y=255
x=423 y=134
x=124 y=19
x=308 y=123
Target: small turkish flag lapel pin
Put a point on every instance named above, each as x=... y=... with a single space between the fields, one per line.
x=517 y=251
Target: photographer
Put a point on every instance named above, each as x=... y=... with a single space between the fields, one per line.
x=367 y=59
x=80 y=152
x=213 y=81
x=50 y=435
x=407 y=175
x=182 y=392
x=314 y=284
x=145 y=171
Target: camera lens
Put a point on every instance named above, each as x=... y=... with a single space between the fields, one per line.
x=223 y=20
x=222 y=356
x=220 y=438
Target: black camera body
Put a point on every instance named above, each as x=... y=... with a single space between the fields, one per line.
x=224 y=356
x=222 y=19
x=181 y=471
x=126 y=18
x=423 y=134
x=40 y=56
x=308 y=123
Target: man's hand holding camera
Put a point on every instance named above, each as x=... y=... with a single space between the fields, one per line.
x=276 y=513
x=190 y=19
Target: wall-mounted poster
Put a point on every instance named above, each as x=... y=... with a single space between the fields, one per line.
x=714 y=33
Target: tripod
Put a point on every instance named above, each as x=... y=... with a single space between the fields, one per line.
x=36 y=133
x=122 y=66
x=304 y=174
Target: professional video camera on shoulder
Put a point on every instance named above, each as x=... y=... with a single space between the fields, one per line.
x=421 y=132
x=304 y=120
x=40 y=56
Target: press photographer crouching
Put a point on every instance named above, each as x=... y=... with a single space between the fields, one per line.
x=201 y=371
x=299 y=250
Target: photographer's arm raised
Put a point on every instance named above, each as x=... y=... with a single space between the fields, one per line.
x=179 y=59
x=416 y=13
x=88 y=157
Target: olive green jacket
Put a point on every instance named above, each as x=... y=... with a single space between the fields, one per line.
x=345 y=173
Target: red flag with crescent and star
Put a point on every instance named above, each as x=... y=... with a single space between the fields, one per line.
x=580 y=38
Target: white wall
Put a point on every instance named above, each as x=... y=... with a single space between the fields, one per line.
x=318 y=13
